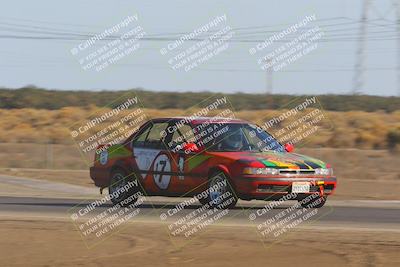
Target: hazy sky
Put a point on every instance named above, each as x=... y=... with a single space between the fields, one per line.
x=48 y=62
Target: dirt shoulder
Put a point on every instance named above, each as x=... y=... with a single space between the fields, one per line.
x=74 y=177
x=57 y=243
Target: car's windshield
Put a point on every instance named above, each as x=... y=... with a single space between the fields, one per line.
x=238 y=137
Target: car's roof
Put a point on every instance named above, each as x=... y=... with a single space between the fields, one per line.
x=199 y=120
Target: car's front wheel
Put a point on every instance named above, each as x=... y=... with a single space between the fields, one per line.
x=220 y=193
x=120 y=189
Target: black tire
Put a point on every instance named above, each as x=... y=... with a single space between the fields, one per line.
x=223 y=197
x=118 y=180
x=203 y=201
x=315 y=203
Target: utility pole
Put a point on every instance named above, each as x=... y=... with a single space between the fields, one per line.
x=397 y=7
x=269 y=83
x=358 y=79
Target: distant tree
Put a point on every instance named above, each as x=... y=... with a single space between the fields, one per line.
x=32 y=97
x=393 y=139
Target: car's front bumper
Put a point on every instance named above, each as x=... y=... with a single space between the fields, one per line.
x=256 y=187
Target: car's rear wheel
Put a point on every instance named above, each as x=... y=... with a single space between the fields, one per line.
x=219 y=192
x=120 y=190
x=317 y=202
x=203 y=200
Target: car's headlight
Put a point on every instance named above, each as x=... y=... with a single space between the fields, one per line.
x=260 y=171
x=321 y=171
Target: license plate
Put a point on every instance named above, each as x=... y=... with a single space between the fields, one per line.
x=300 y=187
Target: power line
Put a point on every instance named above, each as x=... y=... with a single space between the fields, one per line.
x=55 y=34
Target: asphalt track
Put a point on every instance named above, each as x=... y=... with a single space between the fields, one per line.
x=371 y=217
x=24 y=198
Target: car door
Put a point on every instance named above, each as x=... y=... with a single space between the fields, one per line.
x=186 y=178
x=152 y=158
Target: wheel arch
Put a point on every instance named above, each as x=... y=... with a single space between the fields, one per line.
x=121 y=165
x=218 y=168
x=225 y=170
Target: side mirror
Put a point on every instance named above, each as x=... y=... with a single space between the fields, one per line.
x=190 y=147
x=289 y=147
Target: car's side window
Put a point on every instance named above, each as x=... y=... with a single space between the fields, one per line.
x=183 y=134
x=155 y=138
x=139 y=141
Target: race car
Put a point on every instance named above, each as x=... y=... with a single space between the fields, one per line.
x=209 y=158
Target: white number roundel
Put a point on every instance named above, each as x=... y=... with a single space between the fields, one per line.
x=162 y=165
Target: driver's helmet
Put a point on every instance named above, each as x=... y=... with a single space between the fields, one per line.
x=233 y=141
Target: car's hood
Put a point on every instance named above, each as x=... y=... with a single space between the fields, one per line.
x=280 y=160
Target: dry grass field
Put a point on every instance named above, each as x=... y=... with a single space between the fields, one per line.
x=353 y=129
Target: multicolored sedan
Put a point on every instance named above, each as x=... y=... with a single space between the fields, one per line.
x=208 y=158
